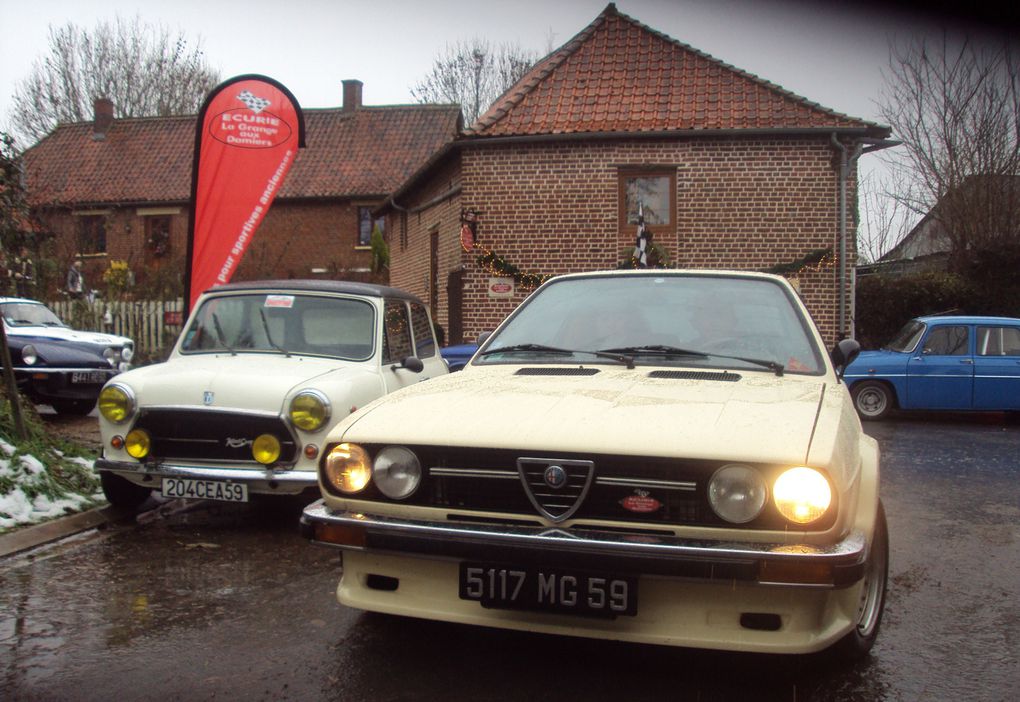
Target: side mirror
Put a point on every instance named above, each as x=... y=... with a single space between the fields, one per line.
x=411 y=363
x=843 y=354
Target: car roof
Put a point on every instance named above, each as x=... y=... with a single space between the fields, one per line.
x=689 y=272
x=21 y=299
x=967 y=319
x=315 y=285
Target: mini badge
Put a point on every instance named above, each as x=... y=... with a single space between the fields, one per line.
x=640 y=502
x=207 y=397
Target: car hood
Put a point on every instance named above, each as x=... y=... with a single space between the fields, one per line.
x=868 y=361
x=67 y=334
x=760 y=417
x=244 y=381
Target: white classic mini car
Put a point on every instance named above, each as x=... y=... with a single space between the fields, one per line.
x=665 y=457
x=260 y=373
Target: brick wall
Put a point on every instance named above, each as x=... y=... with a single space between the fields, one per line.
x=294 y=238
x=554 y=208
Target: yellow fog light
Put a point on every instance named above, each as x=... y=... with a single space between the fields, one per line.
x=802 y=495
x=265 y=449
x=347 y=468
x=309 y=410
x=116 y=403
x=137 y=443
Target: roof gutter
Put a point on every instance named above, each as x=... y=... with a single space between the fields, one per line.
x=874 y=134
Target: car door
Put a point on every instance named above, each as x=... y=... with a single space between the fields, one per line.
x=940 y=373
x=997 y=368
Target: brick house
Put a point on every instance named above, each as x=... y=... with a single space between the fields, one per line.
x=730 y=171
x=119 y=189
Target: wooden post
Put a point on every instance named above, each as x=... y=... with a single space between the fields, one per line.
x=12 y=386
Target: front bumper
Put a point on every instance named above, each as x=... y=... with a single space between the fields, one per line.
x=259 y=480
x=44 y=384
x=791 y=564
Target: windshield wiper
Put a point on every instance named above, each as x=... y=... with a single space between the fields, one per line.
x=542 y=348
x=269 y=337
x=221 y=336
x=656 y=350
x=773 y=366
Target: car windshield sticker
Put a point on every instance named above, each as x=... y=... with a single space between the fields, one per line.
x=286 y=301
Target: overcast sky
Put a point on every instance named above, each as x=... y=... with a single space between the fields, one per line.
x=829 y=52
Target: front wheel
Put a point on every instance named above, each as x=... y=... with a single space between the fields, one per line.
x=862 y=637
x=872 y=399
x=121 y=492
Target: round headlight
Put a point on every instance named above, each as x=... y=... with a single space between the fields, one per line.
x=309 y=411
x=737 y=493
x=29 y=355
x=347 y=467
x=802 y=495
x=265 y=449
x=116 y=403
x=396 y=472
x=126 y=354
x=137 y=443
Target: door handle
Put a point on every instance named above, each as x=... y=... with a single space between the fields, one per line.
x=969 y=361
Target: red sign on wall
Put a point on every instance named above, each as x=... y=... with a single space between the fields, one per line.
x=246 y=140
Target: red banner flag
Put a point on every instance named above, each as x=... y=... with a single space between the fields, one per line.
x=247 y=137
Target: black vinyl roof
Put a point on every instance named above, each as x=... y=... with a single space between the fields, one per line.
x=317 y=286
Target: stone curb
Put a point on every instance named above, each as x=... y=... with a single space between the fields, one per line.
x=29 y=537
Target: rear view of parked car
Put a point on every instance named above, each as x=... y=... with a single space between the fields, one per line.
x=56 y=365
x=260 y=373
x=664 y=457
x=941 y=363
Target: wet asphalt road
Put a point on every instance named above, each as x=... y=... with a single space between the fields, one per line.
x=228 y=602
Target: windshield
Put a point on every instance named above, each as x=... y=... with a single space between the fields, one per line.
x=314 y=325
x=907 y=337
x=24 y=314
x=724 y=322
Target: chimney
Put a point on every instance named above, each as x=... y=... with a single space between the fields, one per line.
x=352 y=95
x=102 y=110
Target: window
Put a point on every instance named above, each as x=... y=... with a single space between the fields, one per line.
x=998 y=341
x=947 y=341
x=651 y=193
x=396 y=333
x=91 y=234
x=157 y=236
x=366 y=224
x=424 y=341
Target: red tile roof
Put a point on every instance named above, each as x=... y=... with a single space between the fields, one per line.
x=618 y=75
x=365 y=152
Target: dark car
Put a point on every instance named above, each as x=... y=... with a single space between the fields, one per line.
x=456 y=357
x=56 y=365
x=941 y=363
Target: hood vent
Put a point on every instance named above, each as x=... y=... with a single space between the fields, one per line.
x=695 y=375
x=557 y=371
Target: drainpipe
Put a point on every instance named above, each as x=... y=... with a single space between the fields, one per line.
x=845 y=162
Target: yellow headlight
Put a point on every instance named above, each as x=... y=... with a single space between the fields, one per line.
x=137 y=443
x=802 y=495
x=347 y=467
x=309 y=411
x=265 y=449
x=116 y=403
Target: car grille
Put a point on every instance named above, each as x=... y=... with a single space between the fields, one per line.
x=212 y=435
x=621 y=488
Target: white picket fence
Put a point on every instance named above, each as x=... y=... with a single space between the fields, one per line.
x=152 y=324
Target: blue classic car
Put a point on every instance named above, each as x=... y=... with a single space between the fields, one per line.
x=941 y=363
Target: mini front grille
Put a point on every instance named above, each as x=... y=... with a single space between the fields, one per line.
x=212 y=435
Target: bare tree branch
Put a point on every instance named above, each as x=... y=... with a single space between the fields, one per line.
x=473 y=74
x=144 y=70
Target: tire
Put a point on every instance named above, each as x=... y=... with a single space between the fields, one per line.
x=78 y=408
x=873 y=399
x=861 y=638
x=121 y=492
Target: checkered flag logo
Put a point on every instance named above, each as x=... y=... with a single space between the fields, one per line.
x=254 y=103
x=644 y=239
